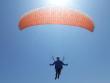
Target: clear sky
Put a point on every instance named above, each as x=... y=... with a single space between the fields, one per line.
x=25 y=55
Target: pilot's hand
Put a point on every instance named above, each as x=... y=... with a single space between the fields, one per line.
x=50 y=64
x=66 y=64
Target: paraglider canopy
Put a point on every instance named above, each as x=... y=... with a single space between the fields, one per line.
x=56 y=15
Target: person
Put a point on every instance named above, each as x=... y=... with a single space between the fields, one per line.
x=58 y=67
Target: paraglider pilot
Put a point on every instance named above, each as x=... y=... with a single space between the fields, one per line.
x=58 y=67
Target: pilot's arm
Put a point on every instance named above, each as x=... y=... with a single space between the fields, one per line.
x=64 y=64
x=52 y=64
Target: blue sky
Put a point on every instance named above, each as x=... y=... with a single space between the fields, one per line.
x=25 y=55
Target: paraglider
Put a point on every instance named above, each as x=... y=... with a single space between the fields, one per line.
x=56 y=15
x=58 y=66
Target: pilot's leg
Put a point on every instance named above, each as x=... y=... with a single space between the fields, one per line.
x=59 y=72
x=56 y=75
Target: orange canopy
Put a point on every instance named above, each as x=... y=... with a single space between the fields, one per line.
x=55 y=15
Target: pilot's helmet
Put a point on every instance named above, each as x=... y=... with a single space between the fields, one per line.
x=57 y=58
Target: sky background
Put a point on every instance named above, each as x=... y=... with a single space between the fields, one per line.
x=25 y=55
